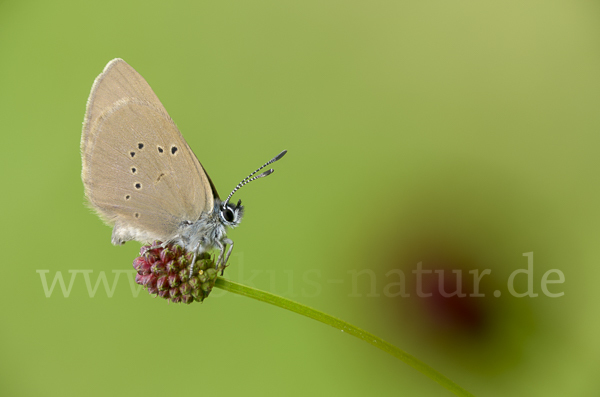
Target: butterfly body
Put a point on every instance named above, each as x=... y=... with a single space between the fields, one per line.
x=203 y=234
x=141 y=176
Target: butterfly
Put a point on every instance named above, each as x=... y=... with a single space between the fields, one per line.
x=141 y=176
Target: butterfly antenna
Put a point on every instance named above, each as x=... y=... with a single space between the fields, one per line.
x=249 y=178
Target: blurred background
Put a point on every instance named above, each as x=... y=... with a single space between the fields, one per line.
x=459 y=135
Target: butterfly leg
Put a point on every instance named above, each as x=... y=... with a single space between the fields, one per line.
x=163 y=244
x=221 y=248
x=193 y=266
x=230 y=242
x=223 y=260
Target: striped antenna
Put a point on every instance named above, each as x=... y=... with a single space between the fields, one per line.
x=249 y=178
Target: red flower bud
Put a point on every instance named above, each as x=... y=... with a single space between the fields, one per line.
x=174 y=280
x=163 y=283
x=138 y=262
x=158 y=268
x=185 y=289
x=166 y=255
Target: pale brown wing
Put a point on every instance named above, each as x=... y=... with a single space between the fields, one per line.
x=139 y=173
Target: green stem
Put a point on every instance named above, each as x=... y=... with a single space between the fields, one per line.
x=344 y=327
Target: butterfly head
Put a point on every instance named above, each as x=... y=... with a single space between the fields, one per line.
x=231 y=214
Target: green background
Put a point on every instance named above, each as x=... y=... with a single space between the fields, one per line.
x=460 y=134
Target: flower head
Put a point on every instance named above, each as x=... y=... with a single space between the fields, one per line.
x=165 y=272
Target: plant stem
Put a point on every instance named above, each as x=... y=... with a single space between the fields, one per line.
x=344 y=327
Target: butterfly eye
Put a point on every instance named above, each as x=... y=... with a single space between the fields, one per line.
x=228 y=214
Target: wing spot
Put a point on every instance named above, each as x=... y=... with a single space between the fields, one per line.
x=133 y=170
x=137 y=215
x=138 y=185
x=160 y=149
x=159 y=177
x=132 y=154
x=173 y=150
x=127 y=197
x=140 y=146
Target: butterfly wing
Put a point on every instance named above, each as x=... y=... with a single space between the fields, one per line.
x=139 y=173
